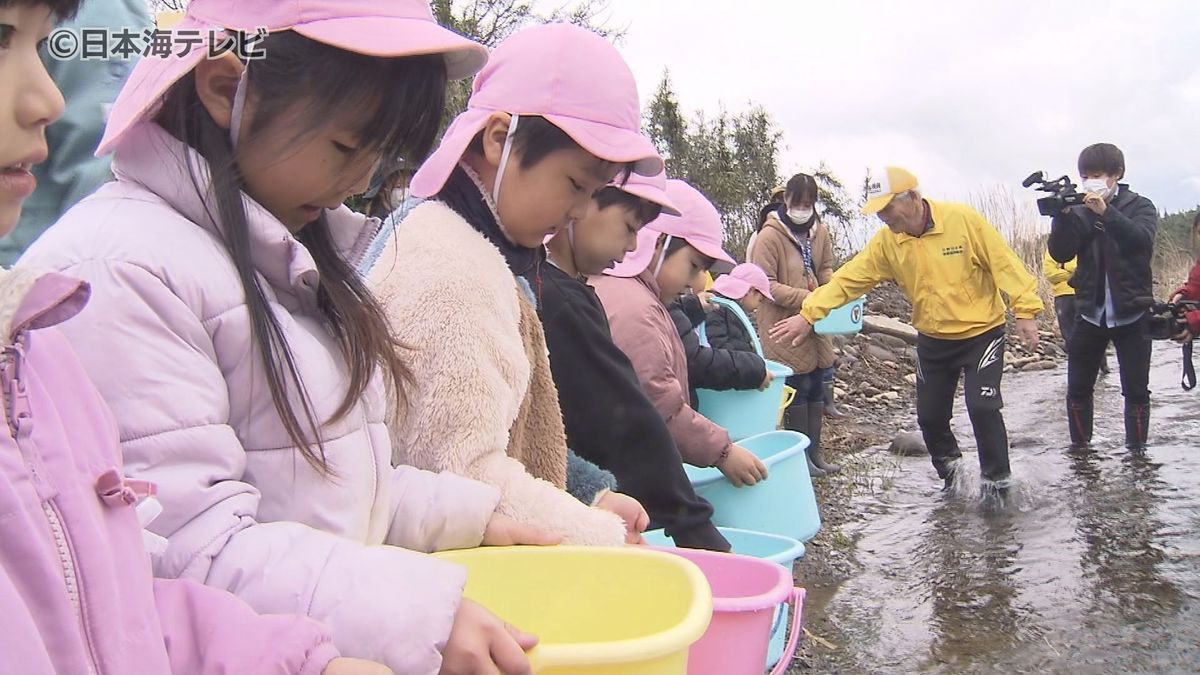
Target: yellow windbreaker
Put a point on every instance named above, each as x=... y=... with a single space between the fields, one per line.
x=1059 y=274
x=953 y=274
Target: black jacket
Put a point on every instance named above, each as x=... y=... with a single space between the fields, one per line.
x=609 y=420
x=1119 y=245
x=726 y=331
x=708 y=367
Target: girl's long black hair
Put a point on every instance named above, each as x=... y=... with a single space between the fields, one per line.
x=398 y=102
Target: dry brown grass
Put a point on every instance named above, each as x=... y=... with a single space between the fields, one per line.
x=1017 y=218
x=1171 y=266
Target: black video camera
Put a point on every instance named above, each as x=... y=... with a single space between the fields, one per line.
x=1169 y=319
x=1062 y=193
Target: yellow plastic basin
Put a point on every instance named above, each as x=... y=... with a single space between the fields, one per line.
x=597 y=611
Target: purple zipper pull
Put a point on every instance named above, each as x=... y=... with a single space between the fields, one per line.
x=16 y=398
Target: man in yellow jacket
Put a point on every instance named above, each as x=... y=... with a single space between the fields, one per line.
x=952 y=264
x=1059 y=275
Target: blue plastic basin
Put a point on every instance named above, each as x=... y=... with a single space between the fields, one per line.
x=845 y=320
x=746 y=413
x=784 y=504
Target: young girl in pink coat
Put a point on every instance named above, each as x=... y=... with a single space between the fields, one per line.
x=75 y=582
x=244 y=361
x=672 y=254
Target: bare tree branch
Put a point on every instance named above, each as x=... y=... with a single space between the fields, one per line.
x=168 y=5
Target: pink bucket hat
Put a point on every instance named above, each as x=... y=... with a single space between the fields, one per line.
x=741 y=280
x=699 y=224
x=390 y=28
x=572 y=77
x=651 y=188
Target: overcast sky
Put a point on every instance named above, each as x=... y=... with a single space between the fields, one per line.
x=965 y=94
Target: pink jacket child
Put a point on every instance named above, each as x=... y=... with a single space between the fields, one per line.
x=75 y=583
x=169 y=340
x=643 y=329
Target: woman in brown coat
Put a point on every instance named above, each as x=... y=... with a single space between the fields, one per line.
x=795 y=251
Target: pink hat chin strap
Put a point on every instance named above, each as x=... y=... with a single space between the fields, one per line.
x=662 y=257
x=512 y=129
x=239 y=107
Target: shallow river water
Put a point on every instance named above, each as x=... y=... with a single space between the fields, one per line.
x=1092 y=565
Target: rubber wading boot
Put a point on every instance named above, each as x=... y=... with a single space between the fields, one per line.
x=1137 y=425
x=831 y=409
x=1079 y=420
x=814 y=436
x=796 y=418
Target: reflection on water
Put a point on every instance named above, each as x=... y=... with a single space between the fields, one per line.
x=970 y=561
x=1092 y=564
x=1115 y=509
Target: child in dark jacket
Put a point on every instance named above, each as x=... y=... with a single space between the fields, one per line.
x=747 y=285
x=608 y=418
x=708 y=367
x=729 y=360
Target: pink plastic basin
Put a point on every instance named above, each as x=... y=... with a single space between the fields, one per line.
x=746 y=592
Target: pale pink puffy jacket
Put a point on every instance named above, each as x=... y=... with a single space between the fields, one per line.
x=75 y=582
x=166 y=338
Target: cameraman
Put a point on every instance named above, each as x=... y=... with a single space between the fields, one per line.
x=1112 y=234
x=1191 y=289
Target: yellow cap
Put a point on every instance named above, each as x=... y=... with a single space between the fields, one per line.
x=884 y=185
x=777 y=193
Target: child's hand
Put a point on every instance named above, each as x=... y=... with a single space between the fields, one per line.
x=504 y=531
x=631 y=511
x=348 y=666
x=481 y=644
x=742 y=467
x=706 y=300
x=766 y=381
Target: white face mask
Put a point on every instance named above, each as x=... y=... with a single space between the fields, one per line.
x=1097 y=186
x=800 y=215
